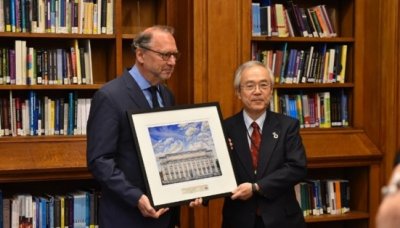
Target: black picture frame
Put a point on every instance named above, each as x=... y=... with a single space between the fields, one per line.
x=183 y=153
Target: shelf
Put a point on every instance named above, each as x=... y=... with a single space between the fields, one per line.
x=54 y=35
x=339 y=148
x=51 y=87
x=304 y=39
x=32 y=158
x=352 y=215
x=313 y=85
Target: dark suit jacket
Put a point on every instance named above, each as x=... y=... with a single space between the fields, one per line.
x=282 y=164
x=111 y=154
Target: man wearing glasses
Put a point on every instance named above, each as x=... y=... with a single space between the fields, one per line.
x=111 y=153
x=267 y=155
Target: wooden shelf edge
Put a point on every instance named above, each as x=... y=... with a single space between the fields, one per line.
x=51 y=87
x=15 y=176
x=352 y=215
x=313 y=85
x=55 y=35
x=342 y=146
x=32 y=139
x=303 y=39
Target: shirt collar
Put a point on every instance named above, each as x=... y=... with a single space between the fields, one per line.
x=259 y=121
x=140 y=80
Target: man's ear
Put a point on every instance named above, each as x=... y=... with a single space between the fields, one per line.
x=237 y=92
x=139 y=56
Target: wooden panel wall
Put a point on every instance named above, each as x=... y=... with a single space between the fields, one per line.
x=217 y=51
x=388 y=83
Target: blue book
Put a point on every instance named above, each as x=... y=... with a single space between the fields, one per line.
x=344 y=109
x=12 y=15
x=265 y=3
x=71 y=113
x=256 y=23
x=32 y=107
x=81 y=204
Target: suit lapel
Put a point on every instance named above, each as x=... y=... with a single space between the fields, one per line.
x=134 y=91
x=270 y=137
x=242 y=148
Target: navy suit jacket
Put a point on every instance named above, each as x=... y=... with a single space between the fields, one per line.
x=281 y=165
x=112 y=157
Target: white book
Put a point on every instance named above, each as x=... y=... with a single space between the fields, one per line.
x=88 y=102
x=2 y=26
x=24 y=51
x=65 y=122
x=269 y=26
x=89 y=76
x=110 y=17
x=18 y=63
x=99 y=15
x=14 y=212
x=80 y=115
x=59 y=66
x=81 y=16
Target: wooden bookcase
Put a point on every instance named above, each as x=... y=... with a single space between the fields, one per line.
x=48 y=161
x=350 y=153
x=344 y=152
x=57 y=164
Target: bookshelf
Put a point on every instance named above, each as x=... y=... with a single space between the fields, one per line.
x=354 y=152
x=57 y=164
x=356 y=158
x=57 y=157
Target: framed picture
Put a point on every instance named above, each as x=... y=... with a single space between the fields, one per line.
x=183 y=153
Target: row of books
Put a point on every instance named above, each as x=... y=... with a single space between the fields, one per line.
x=281 y=20
x=57 y=16
x=25 y=65
x=76 y=209
x=317 y=197
x=321 y=109
x=43 y=115
x=317 y=64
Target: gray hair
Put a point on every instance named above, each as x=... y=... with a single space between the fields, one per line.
x=144 y=38
x=246 y=65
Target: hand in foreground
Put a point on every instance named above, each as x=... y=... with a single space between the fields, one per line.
x=243 y=192
x=147 y=210
x=197 y=202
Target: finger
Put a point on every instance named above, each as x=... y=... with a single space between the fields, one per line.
x=160 y=212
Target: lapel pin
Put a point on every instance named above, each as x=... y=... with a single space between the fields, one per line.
x=275 y=135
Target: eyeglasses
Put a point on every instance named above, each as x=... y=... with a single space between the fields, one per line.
x=391 y=188
x=252 y=86
x=164 y=55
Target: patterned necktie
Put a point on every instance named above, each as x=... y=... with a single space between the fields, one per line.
x=255 y=144
x=154 y=98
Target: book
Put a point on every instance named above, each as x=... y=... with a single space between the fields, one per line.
x=110 y=17
x=343 y=60
x=281 y=21
x=265 y=20
x=256 y=23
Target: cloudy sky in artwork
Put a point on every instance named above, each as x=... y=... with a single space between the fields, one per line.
x=181 y=137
